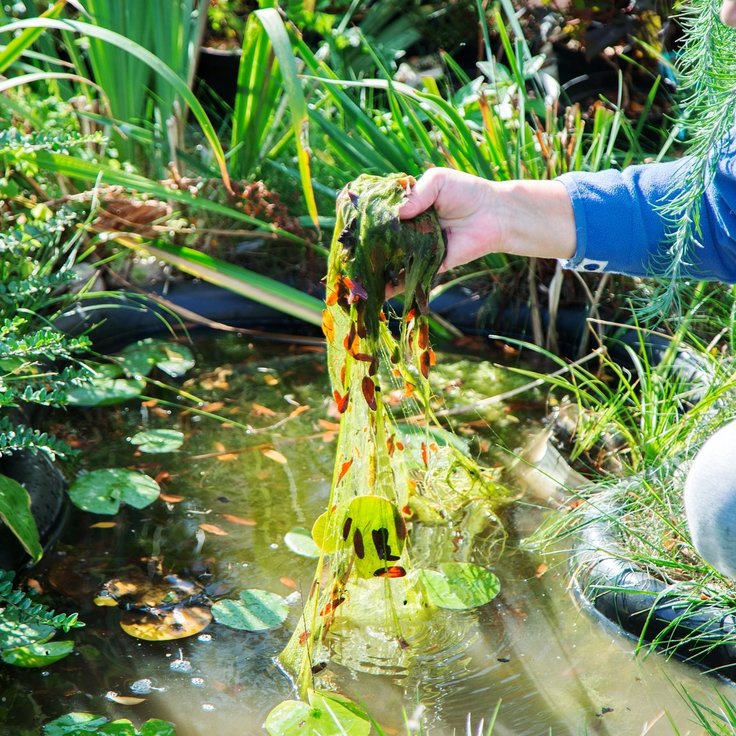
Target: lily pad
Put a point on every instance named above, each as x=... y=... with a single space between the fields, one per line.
x=37 y=655
x=326 y=714
x=178 y=622
x=102 y=491
x=257 y=610
x=15 y=511
x=460 y=585
x=105 y=391
x=140 y=358
x=299 y=540
x=77 y=724
x=158 y=440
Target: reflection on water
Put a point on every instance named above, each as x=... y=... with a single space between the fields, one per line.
x=554 y=668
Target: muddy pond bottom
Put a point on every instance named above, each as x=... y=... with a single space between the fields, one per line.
x=225 y=521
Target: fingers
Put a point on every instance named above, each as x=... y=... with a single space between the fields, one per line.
x=423 y=195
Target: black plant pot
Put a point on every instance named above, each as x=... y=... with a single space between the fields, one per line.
x=47 y=489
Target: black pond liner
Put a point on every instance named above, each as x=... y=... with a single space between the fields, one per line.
x=636 y=601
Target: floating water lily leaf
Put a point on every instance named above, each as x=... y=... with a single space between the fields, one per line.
x=375 y=529
x=15 y=511
x=37 y=655
x=102 y=491
x=105 y=391
x=326 y=531
x=77 y=724
x=72 y=724
x=300 y=540
x=158 y=440
x=257 y=610
x=166 y=624
x=326 y=714
x=460 y=585
x=140 y=358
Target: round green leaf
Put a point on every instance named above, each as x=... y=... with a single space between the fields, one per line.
x=158 y=440
x=105 y=391
x=327 y=714
x=460 y=585
x=141 y=357
x=102 y=491
x=74 y=723
x=37 y=655
x=300 y=540
x=257 y=610
x=157 y=727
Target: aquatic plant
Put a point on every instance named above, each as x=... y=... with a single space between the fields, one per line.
x=27 y=626
x=389 y=475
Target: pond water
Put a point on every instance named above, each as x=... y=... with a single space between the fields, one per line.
x=229 y=498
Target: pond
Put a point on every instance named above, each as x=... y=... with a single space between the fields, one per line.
x=228 y=500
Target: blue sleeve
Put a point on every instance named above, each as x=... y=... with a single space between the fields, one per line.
x=620 y=228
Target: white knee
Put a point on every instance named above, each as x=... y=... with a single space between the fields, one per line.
x=710 y=500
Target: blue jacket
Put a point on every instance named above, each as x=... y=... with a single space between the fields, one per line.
x=620 y=228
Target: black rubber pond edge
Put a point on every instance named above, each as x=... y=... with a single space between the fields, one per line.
x=642 y=605
x=47 y=488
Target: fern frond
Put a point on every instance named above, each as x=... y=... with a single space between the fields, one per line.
x=26 y=610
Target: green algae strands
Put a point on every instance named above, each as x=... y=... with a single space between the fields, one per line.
x=365 y=577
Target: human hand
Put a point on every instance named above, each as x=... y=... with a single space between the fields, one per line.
x=467 y=211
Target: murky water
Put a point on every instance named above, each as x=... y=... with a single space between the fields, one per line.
x=553 y=667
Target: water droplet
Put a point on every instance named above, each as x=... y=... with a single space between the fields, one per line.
x=45 y=673
x=197 y=681
x=208 y=706
x=111 y=695
x=181 y=665
x=273 y=546
x=204 y=637
x=141 y=687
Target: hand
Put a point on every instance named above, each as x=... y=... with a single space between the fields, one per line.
x=527 y=218
x=467 y=210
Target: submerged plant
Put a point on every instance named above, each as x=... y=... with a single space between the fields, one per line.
x=390 y=477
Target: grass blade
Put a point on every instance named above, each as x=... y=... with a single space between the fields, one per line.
x=253 y=285
x=164 y=71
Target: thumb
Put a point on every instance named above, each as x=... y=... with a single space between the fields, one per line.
x=422 y=196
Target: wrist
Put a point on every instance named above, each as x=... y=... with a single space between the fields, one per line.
x=536 y=219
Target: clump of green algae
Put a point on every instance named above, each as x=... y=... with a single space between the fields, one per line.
x=387 y=477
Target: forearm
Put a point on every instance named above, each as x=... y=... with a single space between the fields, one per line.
x=537 y=219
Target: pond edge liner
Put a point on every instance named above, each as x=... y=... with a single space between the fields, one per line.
x=623 y=594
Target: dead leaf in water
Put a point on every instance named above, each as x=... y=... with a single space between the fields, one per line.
x=225 y=456
x=238 y=520
x=213 y=529
x=176 y=623
x=104 y=525
x=262 y=411
x=299 y=410
x=270 y=380
x=275 y=455
x=125 y=699
x=170 y=498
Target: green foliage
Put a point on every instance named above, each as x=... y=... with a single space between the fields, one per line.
x=15 y=511
x=103 y=491
x=708 y=77
x=26 y=628
x=84 y=724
